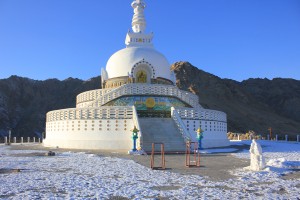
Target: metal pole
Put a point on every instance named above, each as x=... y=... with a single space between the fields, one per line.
x=187 y=154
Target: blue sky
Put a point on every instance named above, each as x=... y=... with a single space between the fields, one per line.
x=236 y=39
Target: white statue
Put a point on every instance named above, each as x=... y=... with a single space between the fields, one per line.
x=257 y=161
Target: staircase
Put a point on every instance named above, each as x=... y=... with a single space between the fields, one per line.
x=161 y=130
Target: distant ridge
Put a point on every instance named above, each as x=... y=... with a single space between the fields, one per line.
x=253 y=104
x=24 y=102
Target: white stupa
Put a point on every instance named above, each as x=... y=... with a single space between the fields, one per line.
x=138 y=91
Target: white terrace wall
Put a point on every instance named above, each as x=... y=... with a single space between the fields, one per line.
x=97 y=98
x=90 y=134
x=212 y=122
x=102 y=128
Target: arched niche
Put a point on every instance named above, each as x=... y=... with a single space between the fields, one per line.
x=142 y=72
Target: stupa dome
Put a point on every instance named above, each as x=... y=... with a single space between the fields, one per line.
x=139 y=62
x=125 y=61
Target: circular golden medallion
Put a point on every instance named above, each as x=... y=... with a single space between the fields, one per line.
x=150 y=102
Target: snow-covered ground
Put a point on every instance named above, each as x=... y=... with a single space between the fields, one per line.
x=87 y=176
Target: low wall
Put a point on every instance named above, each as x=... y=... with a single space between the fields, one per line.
x=21 y=140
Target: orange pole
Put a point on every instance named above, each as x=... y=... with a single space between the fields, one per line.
x=270 y=129
x=152 y=157
x=162 y=153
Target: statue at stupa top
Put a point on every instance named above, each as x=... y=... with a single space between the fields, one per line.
x=138 y=20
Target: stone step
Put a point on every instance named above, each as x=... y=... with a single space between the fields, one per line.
x=167 y=143
x=161 y=130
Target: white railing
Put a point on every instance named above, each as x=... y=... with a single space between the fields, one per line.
x=147 y=89
x=180 y=125
x=201 y=114
x=137 y=125
x=105 y=112
x=91 y=95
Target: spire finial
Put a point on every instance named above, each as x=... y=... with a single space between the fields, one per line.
x=138 y=20
x=138 y=37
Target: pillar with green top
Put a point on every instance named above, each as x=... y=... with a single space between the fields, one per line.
x=199 y=137
x=134 y=137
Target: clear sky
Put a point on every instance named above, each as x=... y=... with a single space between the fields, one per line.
x=236 y=39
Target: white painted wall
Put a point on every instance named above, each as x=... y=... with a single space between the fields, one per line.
x=214 y=135
x=90 y=134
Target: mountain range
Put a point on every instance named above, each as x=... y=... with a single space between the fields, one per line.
x=253 y=104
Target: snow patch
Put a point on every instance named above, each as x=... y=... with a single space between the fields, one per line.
x=89 y=176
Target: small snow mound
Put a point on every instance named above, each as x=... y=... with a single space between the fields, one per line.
x=284 y=164
x=138 y=152
x=279 y=162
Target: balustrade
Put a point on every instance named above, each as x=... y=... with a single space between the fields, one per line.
x=94 y=99
x=105 y=112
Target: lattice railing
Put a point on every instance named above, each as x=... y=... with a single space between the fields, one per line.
x=91 y=95
x=202 y=114
x=105 y=112
x=180 y=125
x=147 y=89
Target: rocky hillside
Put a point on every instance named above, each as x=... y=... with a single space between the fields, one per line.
x=25 y=102
x=254 y=104
x=282 y=95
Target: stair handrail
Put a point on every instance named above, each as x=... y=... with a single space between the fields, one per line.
x=137 y=125
x=180 y=125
